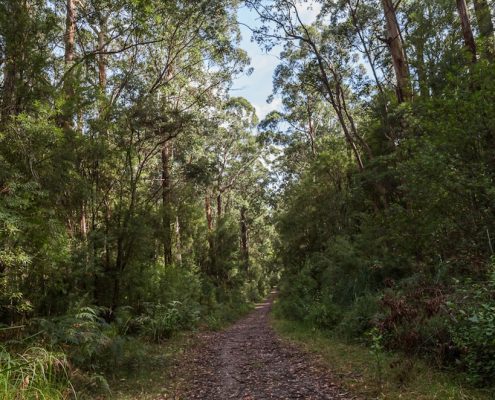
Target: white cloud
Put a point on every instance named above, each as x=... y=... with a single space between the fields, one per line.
x=262 y=62
x=263 y=109
x=308 y=11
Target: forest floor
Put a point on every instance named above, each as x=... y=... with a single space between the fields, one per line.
x=249 y=361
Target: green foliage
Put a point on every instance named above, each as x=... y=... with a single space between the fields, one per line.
x=136 y=198
x=162 y=321
x=84 y=335
x=297 y=295
x=108 y=158
x=376 y=349
x=360 y=318
x=473 y=330
x=375 y=227
x=355 y=369
x=34 y=374
x=224 y=314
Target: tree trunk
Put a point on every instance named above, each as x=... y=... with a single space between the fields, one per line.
x=12 y=56
x=83 y=224
x=102 y=67
x=69 y=42
x=219 y=207
x=244 y=239
x=70 y=31
x=9 y=80
x=485 y=24
x=467 y=32
x=119 y=267
x=209 y=216
x=178 y=246
x=424 y=88
x=209 y=221
x=106 y=238
x=8 y=96
x=95 y=175
x=394 y=42
x=166 y=203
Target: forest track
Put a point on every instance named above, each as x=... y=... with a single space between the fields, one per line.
x=248 y=361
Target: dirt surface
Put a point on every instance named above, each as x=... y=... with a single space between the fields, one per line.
x=248 y=361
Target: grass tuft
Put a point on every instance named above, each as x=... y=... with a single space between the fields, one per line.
x=35 y=374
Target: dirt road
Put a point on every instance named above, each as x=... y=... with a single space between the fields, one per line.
x=248 y=361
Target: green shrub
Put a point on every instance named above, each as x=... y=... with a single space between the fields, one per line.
x=176 y=283
x=474 y=331
x=84 y=336
x=227 y=309
x=297 y=293
x=162 y=321
x=359 y=318
x=324 y=313
x=92 y=345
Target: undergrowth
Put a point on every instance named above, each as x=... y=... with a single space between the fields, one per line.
x=376 y=373
x=85 y=354
x=34 y=374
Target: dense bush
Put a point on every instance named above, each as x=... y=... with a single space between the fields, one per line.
x=84 y=335
x=360 y=318
x=473 y=329
x=384 y=248
x=161 y=321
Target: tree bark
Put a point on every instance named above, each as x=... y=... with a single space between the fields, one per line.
x=219 y=207
x=244 y=239
x=485 y=24
x=13 y=56
x=467 y=31
x=178 y=245
x=83 y=224
x=395 y=45
x=166 y=203
x=102 y=66
x=119 y=267
x=70 y=31
x=8 y=95
x=209 y=235
x=209 y=216
x=69 y=42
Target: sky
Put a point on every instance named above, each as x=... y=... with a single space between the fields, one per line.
x=258 y=86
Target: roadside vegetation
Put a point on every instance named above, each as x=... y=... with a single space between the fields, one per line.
x=373 y=372
x=133 y=192
x=386 y=219
x=140 y=199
